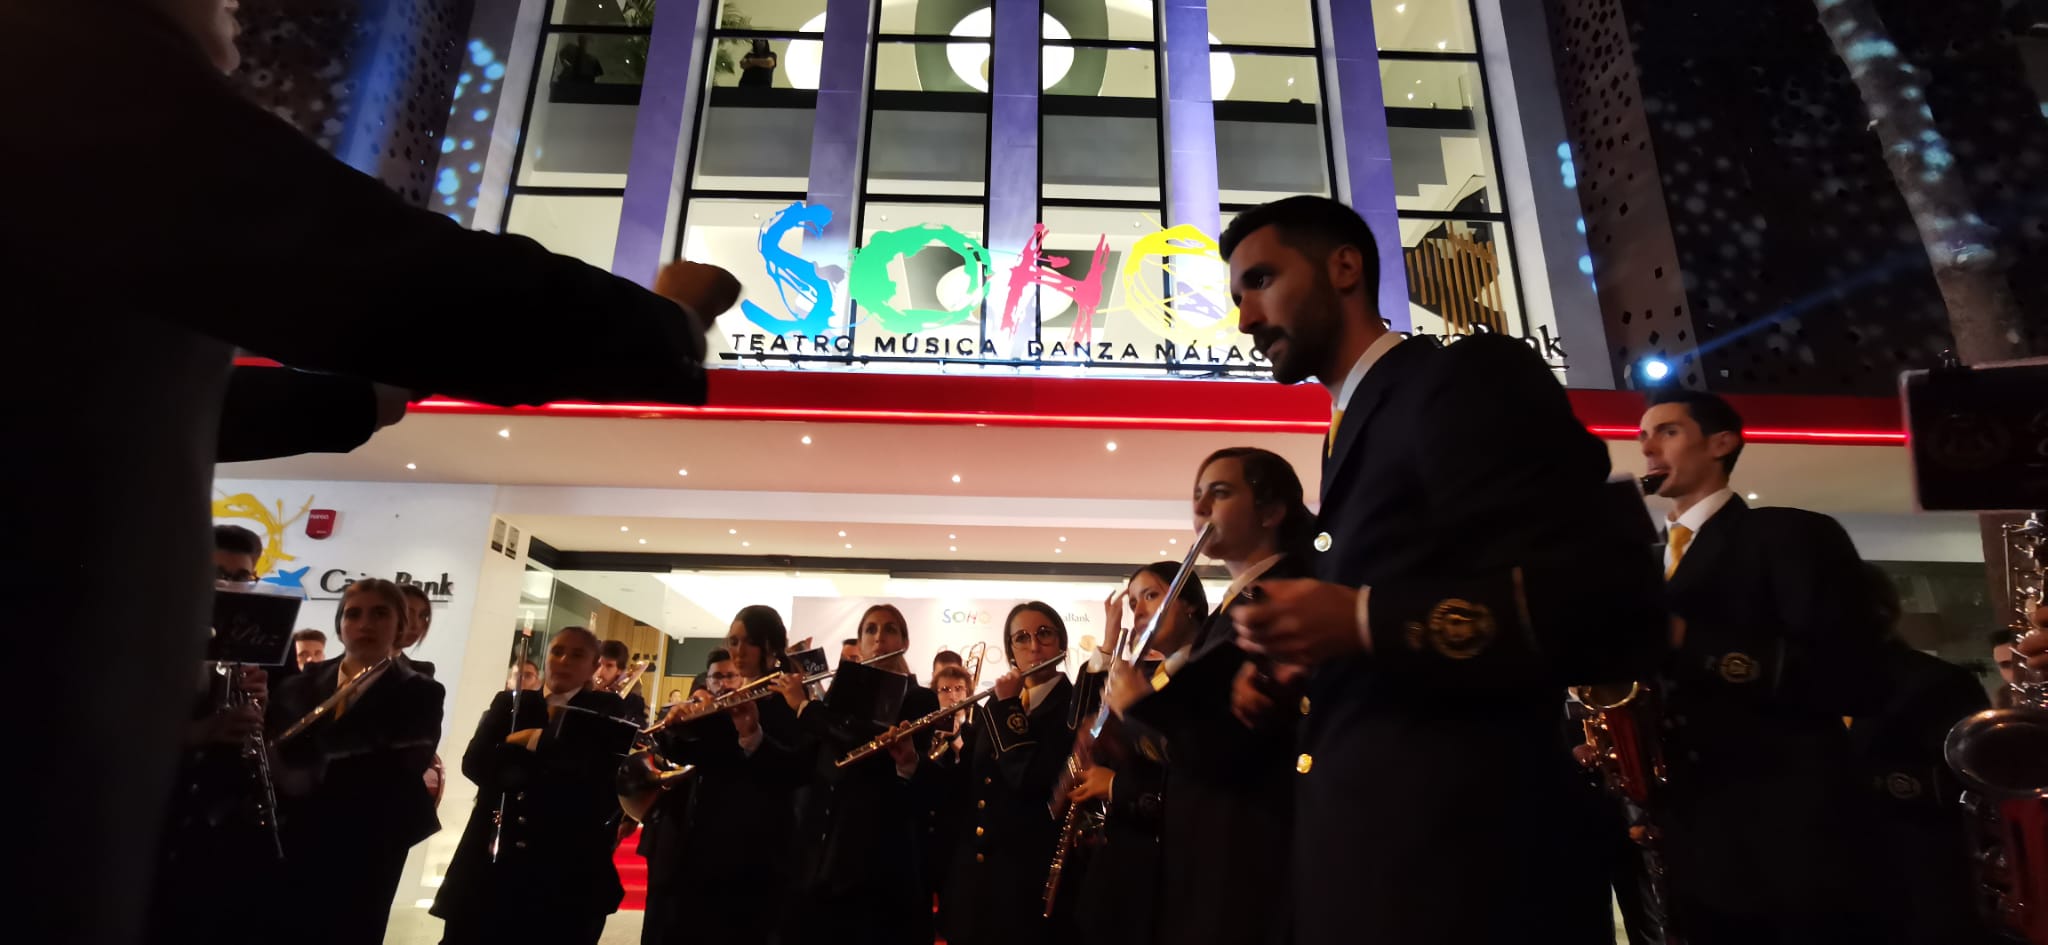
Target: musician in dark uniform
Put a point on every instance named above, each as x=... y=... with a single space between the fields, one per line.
x=1472 y=562
x=1922 y=843
x=1117 y=891
x=1765 y=839
x=351 y=797
x=942 y=780
x=546 y=777
x=724 y=874
x=1022 y=740
x=861 y=828
x=612 y=663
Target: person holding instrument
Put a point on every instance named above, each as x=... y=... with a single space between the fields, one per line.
x=1472 y=563
x=942 y=779
x=1021 y=742
x=861 y=876
x=1117 y=895
x=352 y=802
x=721 y=863
x=612 y=665
x=1229 y=780
x=550 y=878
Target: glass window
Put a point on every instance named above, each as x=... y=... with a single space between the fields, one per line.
x=1423 y=25
x=803 y=16
x=639 y=13
x=741 y=236
x=756 y=132
x=921 y=269
x=1437 y=132
x=584 y=227
x=1269 y=22
x=580 y=133
x=1460 y=277
x=1099 y=128
x=1082 y=19
x=928 y=130
x=1269 y=128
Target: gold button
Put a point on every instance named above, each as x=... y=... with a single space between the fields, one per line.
x=979 y=858
x=978 y=805
x=1323 y=541
x=979 y=831
x=1303 y=763
x=1304 y=705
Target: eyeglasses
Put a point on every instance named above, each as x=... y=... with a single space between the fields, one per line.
x=244 y=576
x=954 y=690
x=721 y=677
x=1042 y=635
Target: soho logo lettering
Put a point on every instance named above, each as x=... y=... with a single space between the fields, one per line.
x=1190 y=317
x=968 y=617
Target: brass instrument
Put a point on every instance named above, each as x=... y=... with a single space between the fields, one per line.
x=929 y=719
x=2001 y=755
x=1621 y=723
x=972 y=662
x=627 y=679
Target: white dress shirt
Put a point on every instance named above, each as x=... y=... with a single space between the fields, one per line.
x=1695 y=518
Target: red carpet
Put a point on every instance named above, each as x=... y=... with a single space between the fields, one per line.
x=632 y=873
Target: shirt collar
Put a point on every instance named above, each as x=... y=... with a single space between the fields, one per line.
x=1697 y=516
x=559 y=699
x=1041 y=691
x=1340 y=394
x=1250 y=574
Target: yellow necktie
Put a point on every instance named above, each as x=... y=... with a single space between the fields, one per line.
x=1681 y=537
x=1024 y=699
x=1159 y=677
x=1330 y=440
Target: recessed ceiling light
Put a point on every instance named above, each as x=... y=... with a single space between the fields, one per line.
x=1111 y=446
x=807 y=439
x=682 y=472
x=643 y=541
x=1173 y=541
x=1752 y=497
x=732 y=531
x=952 y=537
x=1058 y=551
x=956 y=477
x=1411 y=96
x=1162 y=552
x=1063 y=538
x=505 y=432
x=1443 y=44
x=746 y=544
x=1290 y=80
x=849 y=544
x=412 y=465
x=1400 y=8
x=842 y=534
x=624 y=529
x=952 y=547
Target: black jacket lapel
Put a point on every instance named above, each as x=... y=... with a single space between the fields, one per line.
x=1365 y=401
x=1713 y=540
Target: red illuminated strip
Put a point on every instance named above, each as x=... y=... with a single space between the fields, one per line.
x=855 y=415
x=1765 y=435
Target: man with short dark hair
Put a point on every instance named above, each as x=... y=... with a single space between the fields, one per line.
x=612 y=657
x=309 y=646
x=235 y=553
x=1777 y=648
x=1472 y=563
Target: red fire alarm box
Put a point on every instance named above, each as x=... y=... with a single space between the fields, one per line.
x=319 y=523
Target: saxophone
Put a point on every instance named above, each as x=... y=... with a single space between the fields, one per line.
x=2001 y=755
x=1621 y=723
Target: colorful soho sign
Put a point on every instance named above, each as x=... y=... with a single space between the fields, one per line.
x=1191 y=318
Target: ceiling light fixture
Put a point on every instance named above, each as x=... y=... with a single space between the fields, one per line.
x=643 y=541
x=1752 y=497
x=412 y=465
x=1400 y=8
x=1411 y=96
x=849 y=544
x=956 y=477
x=952 y=537
x=952 y=547
x=1443 y=44
x=1112 y=446
x=746 y=544
x=807 y=439
x=1058 y=551
x=1173 y=541
x=505 y=432
x=842 y=534
x=1063 y=538
x=682 y=472
x=624 y=528
x=732 y=531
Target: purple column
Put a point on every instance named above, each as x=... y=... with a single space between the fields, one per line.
x=1365 y=160
x=654 y=176
x=1190 y=118
x=1013 y=137
x=836 y=133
